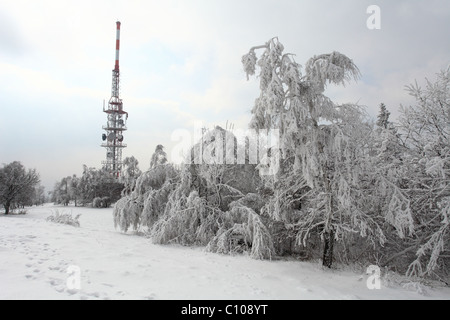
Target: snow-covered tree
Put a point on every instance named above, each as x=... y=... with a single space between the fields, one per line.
x=39 y=196
x=323 y=142
x=66 y=190
x=388 y=144
x=130 y=173
x=74 y=191
x=16 y=185
x=98 y=183
x=145 y=194
x=144 y=205
x=207 y=206
x=217 y=175
x=425 y=127
x=158 y=157
x=87 y=184
x=383 y=117
x=199 y=204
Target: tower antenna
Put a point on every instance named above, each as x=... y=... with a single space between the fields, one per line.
x=116 y=120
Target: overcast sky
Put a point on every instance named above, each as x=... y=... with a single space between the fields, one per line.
x=181 y=63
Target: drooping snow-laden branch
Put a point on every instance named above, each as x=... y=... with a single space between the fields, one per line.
x=334 y=67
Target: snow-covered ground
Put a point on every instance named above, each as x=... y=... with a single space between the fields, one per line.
x=35 y=256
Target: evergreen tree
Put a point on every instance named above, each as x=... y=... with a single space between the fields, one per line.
x=383 y=117
x=158 y=157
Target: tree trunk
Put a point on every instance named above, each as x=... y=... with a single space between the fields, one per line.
x=327 y=259
x=7 y=205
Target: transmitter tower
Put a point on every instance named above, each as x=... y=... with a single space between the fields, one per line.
x=116 y=120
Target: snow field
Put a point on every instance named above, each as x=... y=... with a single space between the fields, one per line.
x=35 y=256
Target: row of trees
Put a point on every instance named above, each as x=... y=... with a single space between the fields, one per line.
x=343 y=189
x=19 y=187
x=96 y=186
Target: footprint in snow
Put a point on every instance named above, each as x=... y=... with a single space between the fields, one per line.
x=54 y=268
x=71 y=291
x=107 y=285
x=98 y=295
x=257 y=291
x=55 y=282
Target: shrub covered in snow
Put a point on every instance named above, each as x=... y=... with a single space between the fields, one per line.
x=126 y=213
x=147 y=201
x=64 y=218
x=101 y=202
x=242 y=229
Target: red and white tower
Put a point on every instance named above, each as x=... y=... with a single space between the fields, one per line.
x=116 y=123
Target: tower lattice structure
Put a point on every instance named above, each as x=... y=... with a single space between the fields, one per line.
x=116 y=120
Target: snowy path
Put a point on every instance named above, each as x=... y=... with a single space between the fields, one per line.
x=35 y=255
